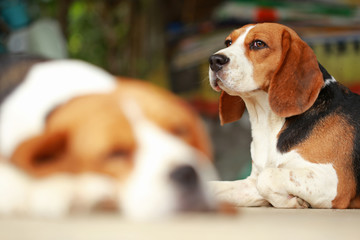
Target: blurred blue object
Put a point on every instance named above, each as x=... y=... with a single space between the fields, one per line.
x=14 y=13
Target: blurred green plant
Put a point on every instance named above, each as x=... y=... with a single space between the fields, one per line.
x=98 y=32
x=124 y=37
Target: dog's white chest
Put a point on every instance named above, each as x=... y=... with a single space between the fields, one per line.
x=263 y=147
x=265 y=126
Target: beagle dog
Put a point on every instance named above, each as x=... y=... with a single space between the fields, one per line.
x=305 y=125
x=75 y=138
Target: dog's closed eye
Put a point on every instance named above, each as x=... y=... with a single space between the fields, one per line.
x=119 y=154
x=180 y=131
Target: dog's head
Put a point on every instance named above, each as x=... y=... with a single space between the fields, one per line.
x=147 y=139
x=267 y=57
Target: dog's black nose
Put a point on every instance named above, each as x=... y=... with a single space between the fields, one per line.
x=217 y=61
x=185 y=177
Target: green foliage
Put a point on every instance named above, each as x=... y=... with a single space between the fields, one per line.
x=85 y=38
x=122 y=36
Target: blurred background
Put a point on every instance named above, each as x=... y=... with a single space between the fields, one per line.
x=168 y=42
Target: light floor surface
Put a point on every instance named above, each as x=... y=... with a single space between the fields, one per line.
x=249 y=223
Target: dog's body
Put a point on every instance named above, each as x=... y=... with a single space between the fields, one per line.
x=305 y=125
x=73 y=137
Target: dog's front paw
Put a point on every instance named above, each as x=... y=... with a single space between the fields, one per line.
x=241 y=193
x=302 y=203
x=296 y=202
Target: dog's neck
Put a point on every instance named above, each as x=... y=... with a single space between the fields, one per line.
x=265 y=127
x=259 y=109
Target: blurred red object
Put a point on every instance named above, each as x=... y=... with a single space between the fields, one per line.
x=355 y=88
x=266 y=15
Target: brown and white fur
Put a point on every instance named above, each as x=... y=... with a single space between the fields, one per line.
x=305 y=125
x=75 y=138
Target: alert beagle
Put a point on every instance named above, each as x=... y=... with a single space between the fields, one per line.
x=72 y=137
x=305 y=125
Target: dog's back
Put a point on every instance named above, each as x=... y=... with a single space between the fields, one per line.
x=335 y=111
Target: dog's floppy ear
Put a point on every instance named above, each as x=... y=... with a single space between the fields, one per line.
x=297 y=80
x=231 y=108
x=43 y=155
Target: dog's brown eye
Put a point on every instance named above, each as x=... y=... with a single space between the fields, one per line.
x=257 y=44
x=228 y=43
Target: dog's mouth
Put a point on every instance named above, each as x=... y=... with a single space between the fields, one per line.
x=215 y=84
x=215 y=80
x=194 y=202
x=191 y=194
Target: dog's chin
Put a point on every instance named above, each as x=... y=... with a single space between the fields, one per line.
x=163 y=206
x=223 y=87
x=219 y=84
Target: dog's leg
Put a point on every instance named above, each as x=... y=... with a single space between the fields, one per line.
x=241 y=193
x=297 y=188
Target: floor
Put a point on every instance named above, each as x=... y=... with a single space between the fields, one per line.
x=249 y=223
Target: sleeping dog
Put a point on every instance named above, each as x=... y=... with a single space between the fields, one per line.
x=305 y=125
x=75 y=138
